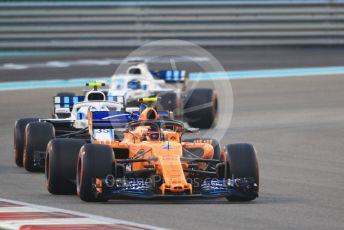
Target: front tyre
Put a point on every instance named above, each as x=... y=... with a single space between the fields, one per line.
x=60 y=165
x=242 y=160
x=94 y=161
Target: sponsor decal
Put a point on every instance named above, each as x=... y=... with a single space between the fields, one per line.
x=167 y=146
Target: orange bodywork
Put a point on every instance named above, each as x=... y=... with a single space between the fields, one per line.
x=167 y=153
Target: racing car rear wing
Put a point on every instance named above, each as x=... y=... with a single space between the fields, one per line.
x=170 y=76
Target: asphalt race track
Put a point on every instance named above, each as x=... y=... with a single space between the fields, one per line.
x=296 y=125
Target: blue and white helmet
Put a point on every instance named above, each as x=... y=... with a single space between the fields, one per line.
x=134 y=84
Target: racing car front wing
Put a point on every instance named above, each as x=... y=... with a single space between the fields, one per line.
x=110 y=188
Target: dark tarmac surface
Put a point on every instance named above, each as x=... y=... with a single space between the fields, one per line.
x=296 y=125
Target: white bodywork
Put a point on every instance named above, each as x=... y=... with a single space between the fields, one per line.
x=141 y=73
x=78 y=115
x=80 y=111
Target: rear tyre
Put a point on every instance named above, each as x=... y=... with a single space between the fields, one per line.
x=167 y=102
x=37 y=136
x=19 y=139
x=61 y=163
x=95 y=161
x=243 y=162
x=200 y=108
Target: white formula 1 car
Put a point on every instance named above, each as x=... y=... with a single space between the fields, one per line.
x=74 y=109
x=198 y=107
x=31 y=135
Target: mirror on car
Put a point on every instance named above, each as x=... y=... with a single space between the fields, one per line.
x=121 y=130
x=191 y=130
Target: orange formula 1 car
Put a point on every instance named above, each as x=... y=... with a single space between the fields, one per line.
x=148 y=158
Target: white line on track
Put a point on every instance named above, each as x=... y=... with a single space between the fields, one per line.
x=15 y=214
x=98 y=62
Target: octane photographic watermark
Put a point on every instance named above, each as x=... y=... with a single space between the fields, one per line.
x=112 y=182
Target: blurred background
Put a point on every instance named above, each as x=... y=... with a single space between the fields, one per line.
x=246 y=34
x=64 y=25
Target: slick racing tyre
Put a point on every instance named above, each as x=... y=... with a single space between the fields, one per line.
x=243 y=163
x=19 y=139
x=37 y=136
x=167 y=101
x=200 y=108
x=60 y=165
x=94 y=161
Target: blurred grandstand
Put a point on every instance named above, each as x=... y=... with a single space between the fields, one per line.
x=112 y=24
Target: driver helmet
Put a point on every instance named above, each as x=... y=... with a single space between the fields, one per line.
x=151 y=135
x=134 y=84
